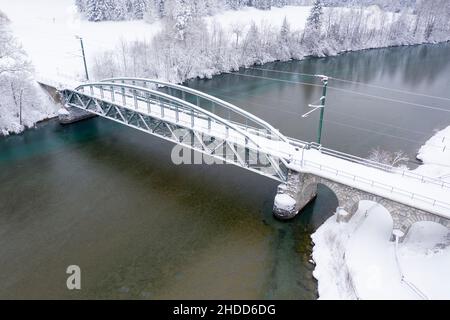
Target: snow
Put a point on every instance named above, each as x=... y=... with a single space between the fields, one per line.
x=284 y=202
x=243 y=18
x=48 y=30
x=429 y=196
x=295 y=15
x=356 y=260
x=435 y=155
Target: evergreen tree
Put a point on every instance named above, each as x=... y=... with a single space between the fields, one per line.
x=119 y=10
x=98 y=10
x=314 y=20
x=262 y=4
x=312 y=32
x=182 y=14
x=284 y=50
x=139 y=7
x=81 y=5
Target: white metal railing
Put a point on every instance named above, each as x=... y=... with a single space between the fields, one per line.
x=375 y=184
x=373 y=164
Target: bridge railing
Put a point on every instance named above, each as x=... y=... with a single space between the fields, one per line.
x=438 y=204
x=371 y=163
x=161 y=103
x=179 y=112
x=217 y=106
x=153 y=100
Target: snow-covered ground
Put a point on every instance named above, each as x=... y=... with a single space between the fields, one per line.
x=295 y=15
x=435 y=155
x=41 y=108
x=356 y=260
x=48 y=30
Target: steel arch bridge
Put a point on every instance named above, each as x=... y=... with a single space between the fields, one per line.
x=191 y=119
x=224 y=132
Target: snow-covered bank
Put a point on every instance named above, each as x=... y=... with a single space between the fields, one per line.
x=40 y=107
x=435 y=156
x=22 y=101
x=48 y=28
x=356 y=260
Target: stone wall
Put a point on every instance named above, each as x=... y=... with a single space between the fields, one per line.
x=302 y=187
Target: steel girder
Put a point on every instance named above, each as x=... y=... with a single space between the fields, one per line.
x=220 y=150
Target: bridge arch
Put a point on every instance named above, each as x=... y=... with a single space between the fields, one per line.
x=146 y=109
x=349 y=198
x=217 y=106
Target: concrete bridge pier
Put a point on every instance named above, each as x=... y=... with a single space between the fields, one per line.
x=293 y=196
x=301 y=188
x=69 y=114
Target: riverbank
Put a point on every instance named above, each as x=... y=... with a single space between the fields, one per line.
x=42 y=108
x=356 y=260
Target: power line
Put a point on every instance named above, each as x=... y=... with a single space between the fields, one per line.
x=356 y=82
x=274 y=79
x=372 y=131
x=287 y=72
x=340 y=123
x=376 y=122
x=343 y=90
x=328 y=110
x=390 y=99
x=331 y=121
x=391 y=89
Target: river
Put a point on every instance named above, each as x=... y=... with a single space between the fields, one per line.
x=108 y=199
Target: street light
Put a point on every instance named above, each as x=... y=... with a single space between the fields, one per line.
x=84 y=57
x=324 y=80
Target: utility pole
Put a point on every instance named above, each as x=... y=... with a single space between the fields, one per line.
x=84 y=57
x=322 y=109
x=324 y=80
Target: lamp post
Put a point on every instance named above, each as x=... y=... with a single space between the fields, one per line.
x=324 y=80
x=84 y=57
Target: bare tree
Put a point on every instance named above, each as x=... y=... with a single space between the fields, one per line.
x=237 y=30
x=394 y=159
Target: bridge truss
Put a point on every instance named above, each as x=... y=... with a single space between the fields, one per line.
x=224 y=133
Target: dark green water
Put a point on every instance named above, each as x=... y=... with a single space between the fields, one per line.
x=107 y=198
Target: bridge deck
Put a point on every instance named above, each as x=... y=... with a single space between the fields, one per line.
x=219 y=130
x=426 y=196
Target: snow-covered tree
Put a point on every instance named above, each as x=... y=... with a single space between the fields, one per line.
x=314 y=21
x=13 y=59
x=20 y=102
x=81 y=5
x=394 y=159
x=139 y=7
x=261 y=4
x=155 y=10
x=118 y=9
x=180 y=12
x=312 y=32
x=284 y=41
x=99 y=10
